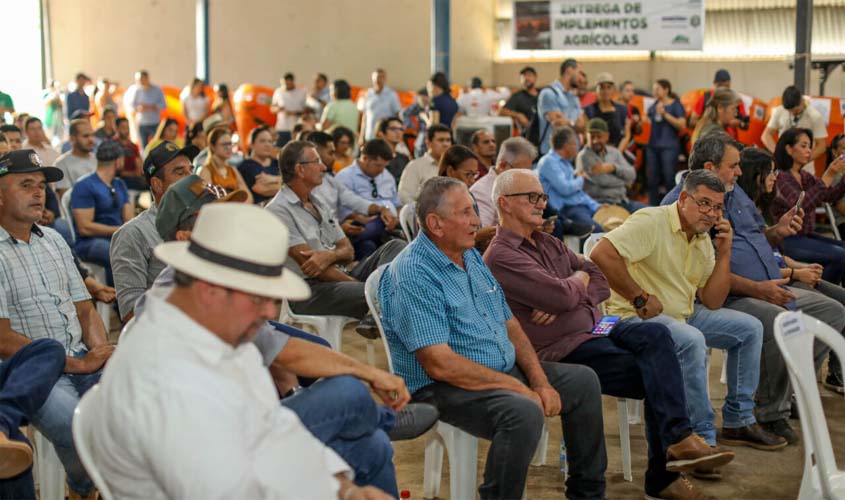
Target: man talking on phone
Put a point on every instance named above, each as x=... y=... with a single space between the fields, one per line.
x=757 y=286
x=555 y=295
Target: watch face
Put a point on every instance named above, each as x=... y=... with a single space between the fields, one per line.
x=639 y=302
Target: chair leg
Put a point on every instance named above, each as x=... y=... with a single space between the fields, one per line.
x=542 y=447
x=433 y=469
x=51 y=473
x=625 y=438
x=333 y=332
x=634 y=414
x=723 y=378
x=463 y=461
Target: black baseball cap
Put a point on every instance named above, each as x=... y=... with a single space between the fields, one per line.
x=25 y=161
x=165 y=152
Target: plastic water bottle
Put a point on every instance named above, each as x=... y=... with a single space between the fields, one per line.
x=564 y=467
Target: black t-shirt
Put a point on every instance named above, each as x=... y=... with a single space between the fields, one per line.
x=615 y=119
x=522 y=102
x=250 y=169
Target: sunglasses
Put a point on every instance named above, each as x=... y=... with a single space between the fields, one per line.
x=374 y=193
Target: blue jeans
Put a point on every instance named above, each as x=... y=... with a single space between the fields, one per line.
x=96 y=251
x=632 y=206
x=660 y=171
x=145 y=133
x=54 y=419
x=738 y=333
x=341 y=413
x=638 y=361
x=582 y=214
x=26 y=380
x=819 y=249
x=366 y=243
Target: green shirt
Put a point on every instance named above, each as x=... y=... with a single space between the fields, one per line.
x=342 y=112
x=5 y=104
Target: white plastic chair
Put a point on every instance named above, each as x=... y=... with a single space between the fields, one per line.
x=48 y=471
x=407 y=219
x=326 y=326
x=82 y=432
x=795 y=334
x=98 y=272
x=680 y=176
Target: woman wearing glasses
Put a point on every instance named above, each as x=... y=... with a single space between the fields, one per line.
x=459 y=162
x=215 y=170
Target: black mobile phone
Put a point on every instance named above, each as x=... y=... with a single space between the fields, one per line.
x=356 y=222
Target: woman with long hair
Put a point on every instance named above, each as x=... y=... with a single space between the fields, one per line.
x=216 y=171
x=195 y=105
x=168 y=130
x=260 y=170
x=718 y=113
x=667 y=118
x=792 y=152
x=344 y=144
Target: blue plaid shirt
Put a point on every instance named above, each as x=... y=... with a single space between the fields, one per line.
x=426 y=299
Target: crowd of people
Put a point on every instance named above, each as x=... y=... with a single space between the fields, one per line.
x=493 y=318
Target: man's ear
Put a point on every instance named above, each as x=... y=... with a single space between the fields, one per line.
x=432 y=222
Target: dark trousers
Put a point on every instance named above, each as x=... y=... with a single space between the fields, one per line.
x=146 y=133
x=660 y=171
x=366 y=243
x=819 y=249
x=346 y=298
x=26 y=380
x=638 y=361
x=514 y=423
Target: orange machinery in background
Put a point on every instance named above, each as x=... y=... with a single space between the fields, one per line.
x=252 y=109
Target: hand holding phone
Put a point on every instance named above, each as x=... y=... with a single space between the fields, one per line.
x=800 y=201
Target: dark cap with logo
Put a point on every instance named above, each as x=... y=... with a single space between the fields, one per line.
x=164 y=153
x=25 y=161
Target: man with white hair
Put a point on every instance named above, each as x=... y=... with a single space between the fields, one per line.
x=187 y=408
x=516 y=152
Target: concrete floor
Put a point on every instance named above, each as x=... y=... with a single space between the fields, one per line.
x=752 y=475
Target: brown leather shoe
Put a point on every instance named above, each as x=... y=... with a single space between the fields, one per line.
x=680 y=489
x=15 y=457
x=707 y=474
x=754 y=436
x=694 y=453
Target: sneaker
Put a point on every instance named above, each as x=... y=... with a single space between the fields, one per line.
x=713 y=474
x=834 y=382
x=754 y=436
x=367 y=328
x=694 y=453
x=413 y=421
x=781 y=428
x=680 y=489
x=15 y=457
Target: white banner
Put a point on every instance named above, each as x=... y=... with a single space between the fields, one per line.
x=609 y=25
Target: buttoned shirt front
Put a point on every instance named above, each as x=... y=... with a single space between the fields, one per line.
x=183 y=414
x=383 y=185
x=319 y=233
x=338 y=198
x=414 y=176
x=378 y=105
x=426 y=299
x=40 y=286
x=661 y=260
x=133 y=264
x=565 y=189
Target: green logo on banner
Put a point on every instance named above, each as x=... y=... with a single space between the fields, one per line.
x=680 y=40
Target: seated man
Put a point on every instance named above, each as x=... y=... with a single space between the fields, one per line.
x=80 y=160
x=757 y=286
x=607 y=174
x=455 y=342
x=319 y=250
x=368 y=178
x=658 y=262
x=43 y=297
x=438 y=138
x=516 y=152
x=392 y=130
x=565 y=186
x=483 y=144
x=189 y=358
x=555 y=296
x=100 y=205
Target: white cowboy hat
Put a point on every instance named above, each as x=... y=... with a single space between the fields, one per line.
x=237 y=246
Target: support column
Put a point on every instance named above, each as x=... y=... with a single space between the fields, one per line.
x=202 y=45
x=440 y=36
x=803 y=44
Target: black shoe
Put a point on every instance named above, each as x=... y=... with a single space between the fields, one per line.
x=575 y=228
x=367 y=328
x=834 y=382
x=754 y=436
x=781 y=428
x=413 y=421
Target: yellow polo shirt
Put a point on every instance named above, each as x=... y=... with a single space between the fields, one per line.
x=661 y=260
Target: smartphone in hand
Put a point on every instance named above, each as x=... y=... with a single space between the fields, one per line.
x=800 y=201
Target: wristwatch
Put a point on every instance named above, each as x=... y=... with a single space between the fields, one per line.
x=640 y=300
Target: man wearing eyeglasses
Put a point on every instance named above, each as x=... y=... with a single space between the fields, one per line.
x=658 y=263
x=100 y=205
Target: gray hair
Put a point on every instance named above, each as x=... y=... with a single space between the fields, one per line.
x=504 y=183
x=513 y=148
x=430 y=199
x=561 y=137
x=289 y=156
x=704 y=178
x=711 y=148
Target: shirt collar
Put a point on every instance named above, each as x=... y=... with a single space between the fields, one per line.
x=4 y=235
x=439 y=257
x=509 y=237
x=289 y=196
x=675 y=223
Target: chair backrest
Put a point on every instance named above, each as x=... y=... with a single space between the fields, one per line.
x=591 y=243
x=371 y=295
x=407 y=219
x=82 y=429
x=680 y=176
x=795 y=334
x=66 y=212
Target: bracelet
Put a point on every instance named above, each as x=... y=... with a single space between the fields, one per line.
x=349 y=492
x=791 y=272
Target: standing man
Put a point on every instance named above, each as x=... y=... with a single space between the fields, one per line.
x=146 y=101
x=289 y=104
x=131 y=255
x=657 y=263
x=78 y=100
x=320 y=95
x=455 y=342
x=437 y=141
x=37 y=141
x=558 y=104
x=380 y=102
x=522 y=105
x=796 y=112
x=516 y=152
x=80 y=160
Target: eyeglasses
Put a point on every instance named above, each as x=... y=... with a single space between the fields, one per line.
x=258 y=300
x=395 y=129
x=225 y=144
x=705 y=207
x=533 y=197
x=374 y=194
x=306 y=162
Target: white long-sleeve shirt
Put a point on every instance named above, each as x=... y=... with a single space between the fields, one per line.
x=414 y=176
x=184 y=415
